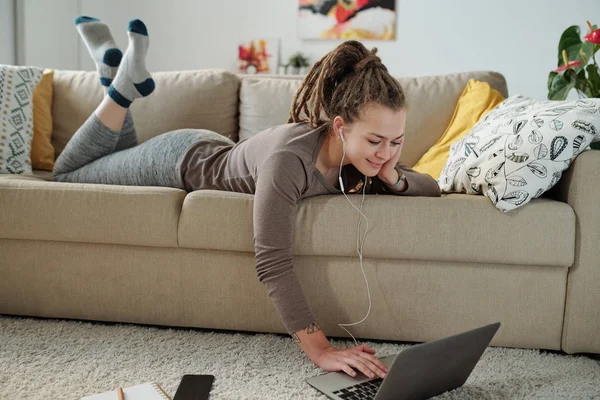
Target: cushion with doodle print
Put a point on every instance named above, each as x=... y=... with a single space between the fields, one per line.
x=520 y=149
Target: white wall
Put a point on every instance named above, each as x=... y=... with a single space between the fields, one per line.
x=515 y=37
x=7 y=33
x=46 y=34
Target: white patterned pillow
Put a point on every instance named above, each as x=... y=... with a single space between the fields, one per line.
x=16 y=117
x=520 y=149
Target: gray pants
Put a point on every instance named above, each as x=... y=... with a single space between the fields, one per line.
x=97 y=154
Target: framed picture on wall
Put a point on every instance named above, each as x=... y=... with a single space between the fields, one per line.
x=347 y=19
x=258 y=56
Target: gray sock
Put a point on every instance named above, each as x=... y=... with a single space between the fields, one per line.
x=101 y=45
x=133 y=79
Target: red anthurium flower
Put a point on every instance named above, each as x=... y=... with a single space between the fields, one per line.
x=593 y=36
x=569 y=65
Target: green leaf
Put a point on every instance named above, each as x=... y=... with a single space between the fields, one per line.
x=587 y=49
x=583 y=85
x=594 y=79
x=571 y=42
x=561 y=86
x=594 y=47
x=595 y=145
x=551 y=77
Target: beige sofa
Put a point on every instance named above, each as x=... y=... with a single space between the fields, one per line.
x=436 y=266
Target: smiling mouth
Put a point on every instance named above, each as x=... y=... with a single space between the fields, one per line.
x=374 y=165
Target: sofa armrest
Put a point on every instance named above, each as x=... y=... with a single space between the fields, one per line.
x=580 y=188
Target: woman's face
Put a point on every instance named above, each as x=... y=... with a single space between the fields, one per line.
x=374 y=138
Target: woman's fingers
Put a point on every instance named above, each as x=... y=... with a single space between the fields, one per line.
x=356 y=362
x=378 y=366
x=368 y=353
x=347 y=369
x=366 y=348
x=361 y=359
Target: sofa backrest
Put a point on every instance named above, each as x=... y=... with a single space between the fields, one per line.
x=206 y=99
x=239 y=106
x=265 y=100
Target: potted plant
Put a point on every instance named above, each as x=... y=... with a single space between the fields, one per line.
x=577 y=66
x=299 y=62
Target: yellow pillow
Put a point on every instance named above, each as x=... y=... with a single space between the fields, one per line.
x=477 y=99
x=42 y=151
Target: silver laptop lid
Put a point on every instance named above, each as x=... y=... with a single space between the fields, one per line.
x=428 y=369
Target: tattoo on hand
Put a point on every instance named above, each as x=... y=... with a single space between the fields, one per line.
x=312 y=328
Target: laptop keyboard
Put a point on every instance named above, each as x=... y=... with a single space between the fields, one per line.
x=364 y=390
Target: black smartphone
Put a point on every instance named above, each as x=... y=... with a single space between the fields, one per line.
x=194 y=387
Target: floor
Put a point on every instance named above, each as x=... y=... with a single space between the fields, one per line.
x=139 y=354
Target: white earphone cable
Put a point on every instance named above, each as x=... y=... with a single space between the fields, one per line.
x=359 y=245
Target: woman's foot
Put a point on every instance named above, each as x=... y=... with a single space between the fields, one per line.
x=102 y=47
x=133 y=79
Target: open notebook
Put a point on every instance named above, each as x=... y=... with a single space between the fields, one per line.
x=145 y=391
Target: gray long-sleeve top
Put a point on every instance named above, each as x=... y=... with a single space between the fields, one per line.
x=278 y=166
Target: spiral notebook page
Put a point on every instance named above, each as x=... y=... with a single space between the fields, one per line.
x=145 y=391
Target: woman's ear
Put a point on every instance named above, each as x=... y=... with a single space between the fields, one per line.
x=338 y=123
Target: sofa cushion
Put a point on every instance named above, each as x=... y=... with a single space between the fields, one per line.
x=17 y=85
x=42 y=151
x=204 y=99
x=35 y=209
x=265 y=101
x=476 y=101
x=455 y=227
x=520 y=149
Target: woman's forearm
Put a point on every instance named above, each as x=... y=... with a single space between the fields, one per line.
x=312 y=341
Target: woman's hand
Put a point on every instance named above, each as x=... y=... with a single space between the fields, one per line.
x=388 y=173
x=359 y=357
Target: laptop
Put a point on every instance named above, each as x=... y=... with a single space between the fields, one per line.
x=419 y=372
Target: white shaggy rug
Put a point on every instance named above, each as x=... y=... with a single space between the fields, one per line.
x=56 y=359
